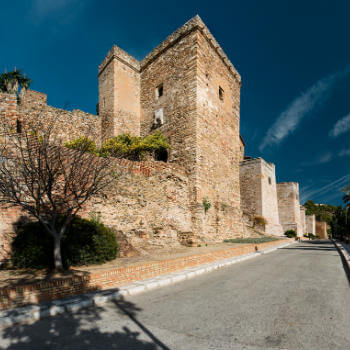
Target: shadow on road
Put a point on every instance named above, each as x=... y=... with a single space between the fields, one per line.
x=312 y=245
x=322 y=246
x=345 y=264
x=80 y=331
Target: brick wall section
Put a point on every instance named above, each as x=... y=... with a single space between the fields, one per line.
x=310 y=224
x=289 y=206
x=19 y=295
x=259 y=193
x=321 y=229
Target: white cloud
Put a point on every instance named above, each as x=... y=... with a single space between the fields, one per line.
x=288 y=120
x=56 y=10
x=43 y=8
x=341 y=126
x=344 y=152
x=324 y=192
x=323 y=159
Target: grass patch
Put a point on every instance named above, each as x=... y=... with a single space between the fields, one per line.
x=252 y=240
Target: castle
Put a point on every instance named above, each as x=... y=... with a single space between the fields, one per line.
x=189 y=90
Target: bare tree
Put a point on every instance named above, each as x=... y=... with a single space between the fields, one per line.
x=49 y=181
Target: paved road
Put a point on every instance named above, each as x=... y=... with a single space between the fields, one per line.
x=295 y=298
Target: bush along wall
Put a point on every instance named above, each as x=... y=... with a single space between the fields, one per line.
x=86 y=242
x=125 y=146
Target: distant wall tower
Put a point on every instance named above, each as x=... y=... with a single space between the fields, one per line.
x=289 y=206
x=259 y=193
x=119 y=94
x=311 y=224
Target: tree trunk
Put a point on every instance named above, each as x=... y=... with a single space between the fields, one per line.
x=57 y=253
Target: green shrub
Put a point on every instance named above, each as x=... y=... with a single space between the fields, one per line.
x=83 y=144
x=32 y=247
x=259 y=220
x=85 y=242
x=206 y=204
x=135 y=147
x=290 y=233
x=252 y=240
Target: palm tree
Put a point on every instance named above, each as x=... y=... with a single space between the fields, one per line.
x=10 y=81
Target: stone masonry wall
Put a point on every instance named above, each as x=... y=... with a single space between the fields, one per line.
x=8 y=111
x=303 y=219
x=321 y=229
x=250 y=186
x=289 y=206
x=269 y=199
x=119 y=93
x=241 y=148
x=68 y=125
x=203 y=131
x=217 y=142
x=175 y=69
x=259 y=193
x=310 y=224
x=148 y=205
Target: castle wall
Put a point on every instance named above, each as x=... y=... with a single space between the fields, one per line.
x=259 y=193
x=148 y=205
x=289 y=206
x=310 y=224
x=203 y=131
x=250 y=186
x=8 y=111
x=68 y=125
x=303 y=219
x=175 y=70
x=119 y=94
x=241 y=148
x=218 y=144
x=321 y=229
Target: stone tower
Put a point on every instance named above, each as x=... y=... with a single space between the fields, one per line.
x=289 y=206
x=188 y=89
x=259 y=192
x=119 y=94
x=311 y=224
x=303 y=219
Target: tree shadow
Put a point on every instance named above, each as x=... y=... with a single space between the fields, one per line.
x=81 y=331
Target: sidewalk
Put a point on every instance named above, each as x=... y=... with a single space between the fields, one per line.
x=31 y=313
x=37 y=289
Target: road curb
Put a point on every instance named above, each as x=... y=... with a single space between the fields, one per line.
x=343 y=251
x=33 y=313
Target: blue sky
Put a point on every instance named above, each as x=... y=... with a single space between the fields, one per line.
x=293 y=56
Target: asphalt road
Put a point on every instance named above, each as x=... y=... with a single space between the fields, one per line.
x=295 y=298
